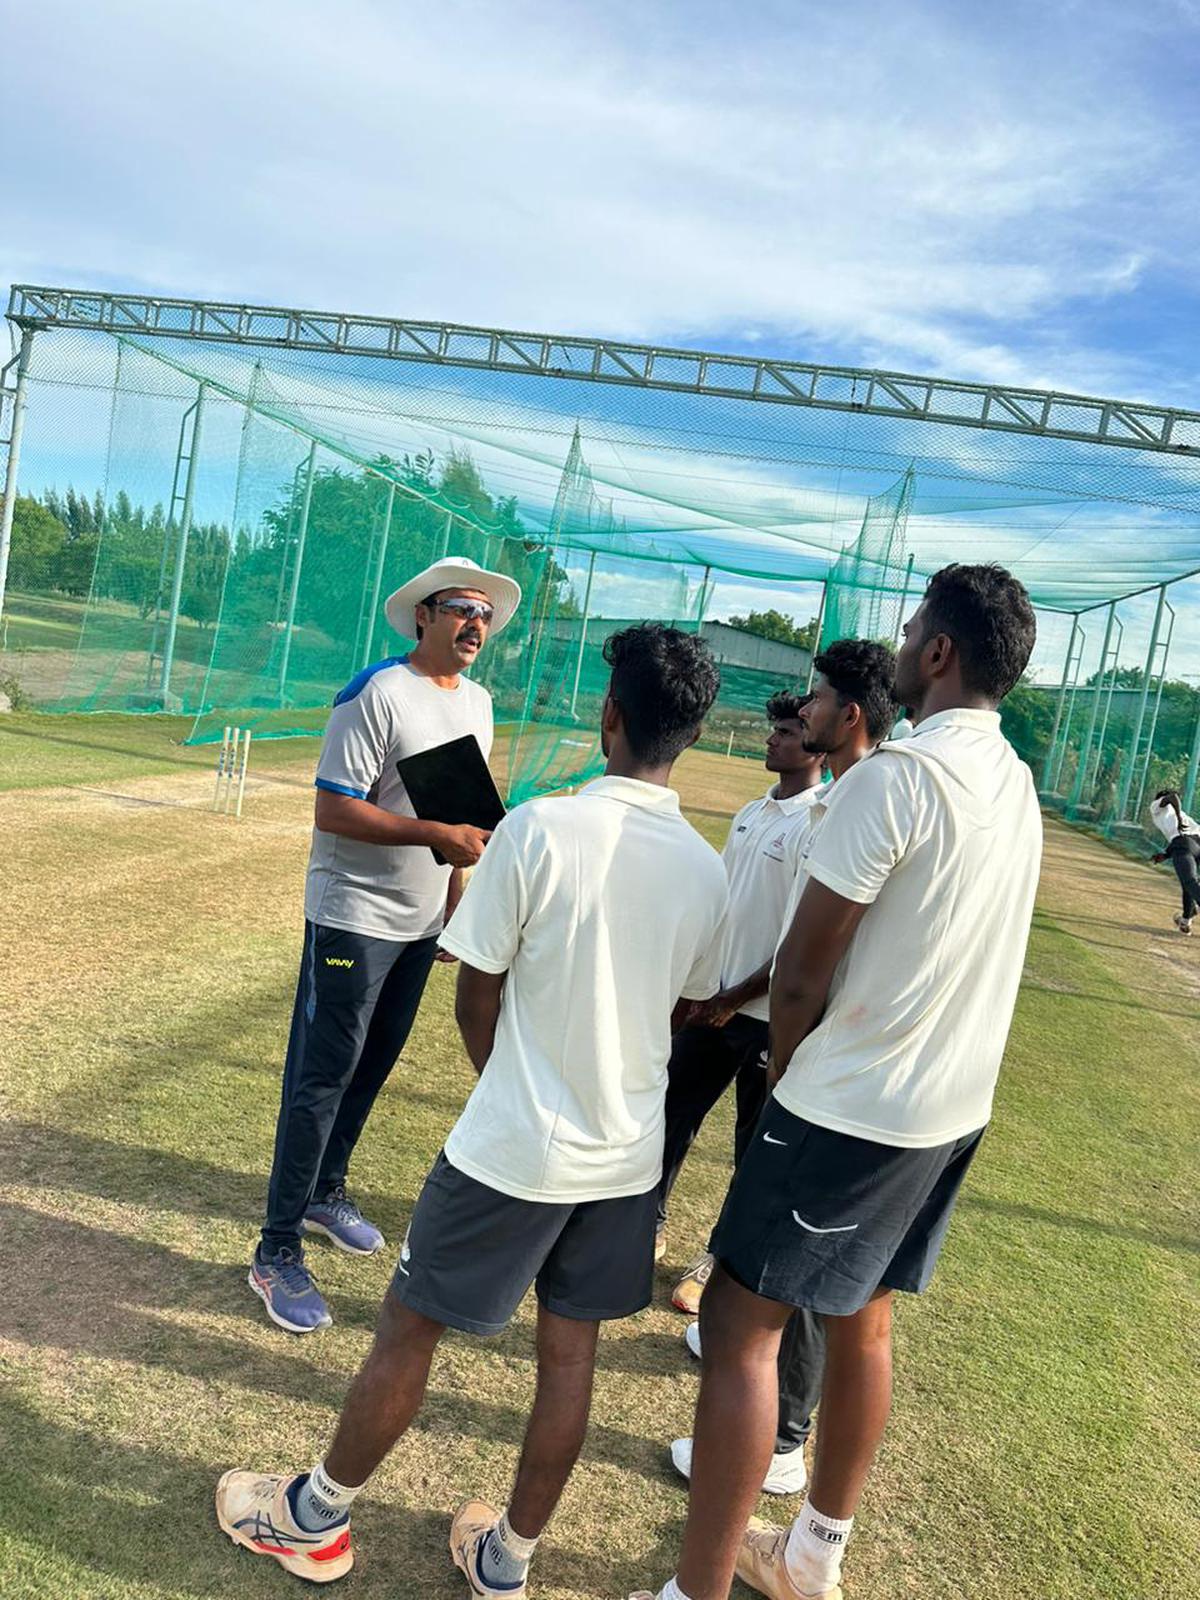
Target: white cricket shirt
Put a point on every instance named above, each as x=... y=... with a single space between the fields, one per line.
x=384 y=714
x=604 y=909
x=762 y=858
x=1163 y=817
x=941 y=837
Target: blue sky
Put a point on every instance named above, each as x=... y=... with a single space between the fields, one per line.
x=1004 y=192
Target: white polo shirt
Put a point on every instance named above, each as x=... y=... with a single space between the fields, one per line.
x=604 y=909
x=385 y=713
x=941 y=837
x=1163 y=817
x=762 y=857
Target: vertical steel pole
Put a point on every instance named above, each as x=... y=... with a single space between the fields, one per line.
x=812 y=654
x=1189 y=787
x=1153 y=728
x=1070 y=716
x=587 y=605
x=1048 y=764
x=445 y=550
x=15 y=432
x=377 y=588
x=185 y=528
x=1143 y=698
x=301 y=536
x=1085 y=754
x=704 y=594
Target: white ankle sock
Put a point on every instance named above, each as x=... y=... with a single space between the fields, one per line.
x=505 y=1556
x=671 y=1590
x=814 y=1550
x=321 y=1501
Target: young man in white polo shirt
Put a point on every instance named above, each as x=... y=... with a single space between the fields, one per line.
x=374 y=904
x=890 y=1008
x=587 y=922
x=850 y=709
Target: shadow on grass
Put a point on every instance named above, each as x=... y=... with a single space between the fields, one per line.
x=145 y=1517
x=103 y=1509
x=120 y=1285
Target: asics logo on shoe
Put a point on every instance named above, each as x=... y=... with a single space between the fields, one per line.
x=263 y=1531
x=767 y=1139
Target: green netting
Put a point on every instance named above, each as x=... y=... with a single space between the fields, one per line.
x=868 y=584
x=211 y=528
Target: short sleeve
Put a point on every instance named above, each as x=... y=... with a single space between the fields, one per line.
x=485 y=930
x=358 y=736
x=868 y=828
x=704 y=979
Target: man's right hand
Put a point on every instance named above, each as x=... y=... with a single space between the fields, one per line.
x=460 y=843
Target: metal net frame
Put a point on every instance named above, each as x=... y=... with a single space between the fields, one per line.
x=239 y=488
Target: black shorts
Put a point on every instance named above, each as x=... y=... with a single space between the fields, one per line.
x=471 y=1253
x=822 y=1220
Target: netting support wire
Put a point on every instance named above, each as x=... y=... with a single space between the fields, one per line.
x=12 y=467
x=816 y=644
x=445 y=550
x=1193 y=771
x=185 y=529
x=377 y=586
x=587 y=603
x=1140 y=718
x=903 y=606
x=1085 y=753
x=1052 y=750
x=294 y=593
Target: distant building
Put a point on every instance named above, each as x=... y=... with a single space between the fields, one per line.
x=785 y=664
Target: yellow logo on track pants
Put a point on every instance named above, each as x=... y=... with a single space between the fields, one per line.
x=339 y=961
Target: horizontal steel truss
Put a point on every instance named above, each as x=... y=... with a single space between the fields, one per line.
x=996 y=407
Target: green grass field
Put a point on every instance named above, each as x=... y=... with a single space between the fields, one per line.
x=1044 y=1439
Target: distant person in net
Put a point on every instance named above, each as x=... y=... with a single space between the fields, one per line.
x=376 y=900
x=840 y=722
x=1183 y=851
x=587 y=920
x=891 y=1003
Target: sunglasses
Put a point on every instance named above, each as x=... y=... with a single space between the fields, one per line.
x=468 y=610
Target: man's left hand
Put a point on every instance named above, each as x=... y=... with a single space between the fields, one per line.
x=714 y=1013
x=444 y=957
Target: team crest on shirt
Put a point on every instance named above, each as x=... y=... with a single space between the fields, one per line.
x=773 y=849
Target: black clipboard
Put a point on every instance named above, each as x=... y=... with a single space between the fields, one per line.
x=451 y=783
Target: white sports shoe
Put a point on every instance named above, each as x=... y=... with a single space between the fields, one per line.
x=691 y=1338
x=786 y=1474
x=1184 y=924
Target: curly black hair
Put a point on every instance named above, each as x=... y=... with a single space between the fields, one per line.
x=864 y=672
x=987 y=612
x=786 y=705
x=664 y=682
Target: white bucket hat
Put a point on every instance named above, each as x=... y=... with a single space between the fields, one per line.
x=451 y=572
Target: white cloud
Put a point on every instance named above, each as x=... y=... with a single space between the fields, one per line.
x=895 y=180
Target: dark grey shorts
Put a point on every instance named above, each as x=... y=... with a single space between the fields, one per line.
x=822 y=1220
x=471 y=1253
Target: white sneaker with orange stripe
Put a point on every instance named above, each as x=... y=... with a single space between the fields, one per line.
x=254 y=1510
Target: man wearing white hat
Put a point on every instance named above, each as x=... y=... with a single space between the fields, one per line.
x=375 y=902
